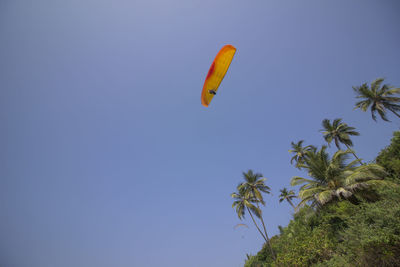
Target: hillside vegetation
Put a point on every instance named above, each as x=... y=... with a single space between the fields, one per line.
x=348 y=211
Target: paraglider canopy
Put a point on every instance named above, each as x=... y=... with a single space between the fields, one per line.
x=216 y=74
x=240 y=224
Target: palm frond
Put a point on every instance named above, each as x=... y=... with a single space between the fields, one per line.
x=324 y=196
x=297 y=180
x=376 y=84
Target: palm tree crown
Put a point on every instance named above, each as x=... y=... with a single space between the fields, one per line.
x=299 y=152
x=287 y=195
x=334 y=179
x=338 y=132
x=243 y=202
x=254 y=186
x=379 y=98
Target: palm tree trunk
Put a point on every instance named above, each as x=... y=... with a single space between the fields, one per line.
x=291 y=203
x=256 y=225
x=354 y=154
x=266 y=235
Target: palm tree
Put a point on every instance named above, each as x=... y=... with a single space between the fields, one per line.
x=288 y=196
x=242 y=203
x=378 y=98
x=332 y=179
x=339 y=132
x=299 y=152
x=254 y=185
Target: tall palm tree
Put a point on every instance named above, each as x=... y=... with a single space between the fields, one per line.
x=333 y=179
x=339 y=132
x=299 y=152
x=379 y=98
x=242 y=203
x=287 y=195
x=254 y=185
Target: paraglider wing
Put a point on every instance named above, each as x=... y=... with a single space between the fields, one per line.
x=240 y=224
x=216 y=74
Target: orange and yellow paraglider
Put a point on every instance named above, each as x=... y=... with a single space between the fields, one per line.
x=216 y=74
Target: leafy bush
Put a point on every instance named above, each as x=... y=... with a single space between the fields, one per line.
x=389 y=157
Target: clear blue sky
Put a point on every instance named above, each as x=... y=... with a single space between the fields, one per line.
x=107 y=157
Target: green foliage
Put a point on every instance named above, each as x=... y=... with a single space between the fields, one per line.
x=305 y=246
x=389 y=157
x=253 y=261
x=342 y=233
x=372 y=235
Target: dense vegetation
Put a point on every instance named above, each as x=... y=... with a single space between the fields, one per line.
x=348 y=212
